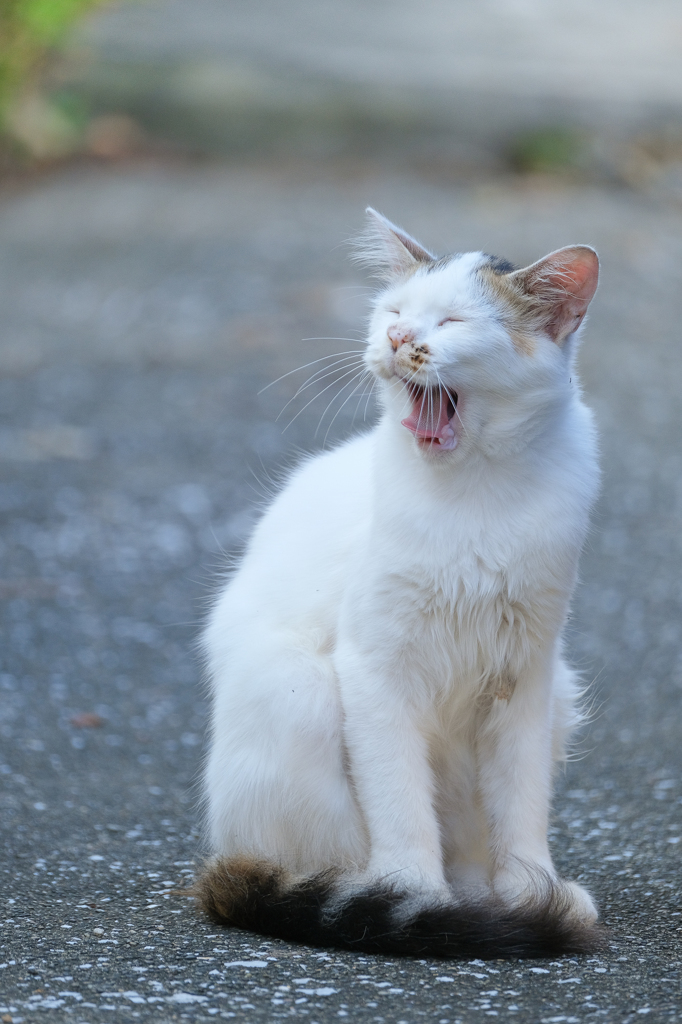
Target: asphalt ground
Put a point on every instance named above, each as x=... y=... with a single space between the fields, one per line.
x=143 y=307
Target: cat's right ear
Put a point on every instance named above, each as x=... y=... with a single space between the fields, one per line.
x=563 y=285
x=389 y=250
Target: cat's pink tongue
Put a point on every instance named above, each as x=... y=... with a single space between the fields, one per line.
x=429 y=419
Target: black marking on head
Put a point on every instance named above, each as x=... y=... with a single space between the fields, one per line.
x=498 y=264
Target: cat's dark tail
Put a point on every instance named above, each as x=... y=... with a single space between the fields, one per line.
x=259 y=897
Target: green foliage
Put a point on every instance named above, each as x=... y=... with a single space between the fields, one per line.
x=547 y=150
x=28 y=30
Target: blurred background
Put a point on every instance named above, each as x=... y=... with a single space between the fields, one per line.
x=178 y=181
x=524 y=85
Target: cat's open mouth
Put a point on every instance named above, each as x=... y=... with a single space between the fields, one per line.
x=432 y=417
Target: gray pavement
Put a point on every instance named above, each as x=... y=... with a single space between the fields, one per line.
x=142 y=309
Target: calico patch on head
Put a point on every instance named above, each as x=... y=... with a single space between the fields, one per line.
x=444 y=327
x=550 y=297
x=498 y=264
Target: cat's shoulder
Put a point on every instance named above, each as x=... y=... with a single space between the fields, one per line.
x=350 y=461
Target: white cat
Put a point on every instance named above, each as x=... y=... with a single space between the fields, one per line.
x=388 y=684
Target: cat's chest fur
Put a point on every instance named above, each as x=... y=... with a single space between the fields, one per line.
x=463 y=582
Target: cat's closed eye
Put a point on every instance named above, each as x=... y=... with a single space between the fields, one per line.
x=451 y=320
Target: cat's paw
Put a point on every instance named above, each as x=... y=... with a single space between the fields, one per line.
x=514 y=888
x=416 y=885
x=580 y=905
x=572 y=902
x=470 y=883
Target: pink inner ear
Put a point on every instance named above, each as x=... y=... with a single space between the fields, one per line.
x=570 y=277
x=583 y=275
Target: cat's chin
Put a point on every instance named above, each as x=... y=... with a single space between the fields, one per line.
x=434 y=447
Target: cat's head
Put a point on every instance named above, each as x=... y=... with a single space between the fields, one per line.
x=471 y=350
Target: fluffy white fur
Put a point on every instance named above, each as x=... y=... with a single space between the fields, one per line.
x=388 y=682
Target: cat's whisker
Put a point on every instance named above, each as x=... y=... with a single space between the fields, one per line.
x=360 y=340
x=317 y=378
x=402 y=383
x=464 y=429
x=315 y=397
x=342 y=361
x=333 y=355
x=369 y=398
x=357 y=404
x=360 y=384
x=268 y=488
x=322 y=374
x=221 y=548
x=453 y=398
x=361 y=374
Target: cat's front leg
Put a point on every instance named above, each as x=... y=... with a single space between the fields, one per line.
x=514 y=751
x=391 y=774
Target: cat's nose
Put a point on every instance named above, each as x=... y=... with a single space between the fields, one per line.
x=398 y=335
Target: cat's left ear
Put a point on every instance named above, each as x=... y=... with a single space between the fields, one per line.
x=563 y=284
x=388 y=249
